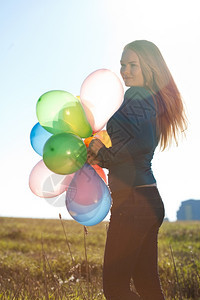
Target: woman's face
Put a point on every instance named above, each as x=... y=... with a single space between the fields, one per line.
x=130 y=69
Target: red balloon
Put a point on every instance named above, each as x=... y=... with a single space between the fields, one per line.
x=100 y=172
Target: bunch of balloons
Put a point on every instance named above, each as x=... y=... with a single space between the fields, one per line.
x=66 y=126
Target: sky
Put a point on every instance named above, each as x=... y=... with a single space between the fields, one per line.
x=48 y=45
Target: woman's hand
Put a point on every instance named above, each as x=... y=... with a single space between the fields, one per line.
x=95 y=145
x=92 y=151
x=91 y=159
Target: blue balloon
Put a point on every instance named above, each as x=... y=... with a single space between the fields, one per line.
x=81 y=212
x=88 y=198
x=38 y=138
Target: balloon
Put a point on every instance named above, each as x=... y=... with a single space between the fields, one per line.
x=46 y=184
x=81 y=212
x=59 y=111
x=38 y=138
x=102 y=211
x=100 y=172
x=64 y=153
x=58 y=201
x=88 y=140
x=104 y=137
x=87 y=186
x=91 y=216
x=101 y=135
x=88 y=199
x=101 y=95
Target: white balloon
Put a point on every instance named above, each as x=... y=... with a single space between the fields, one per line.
x=45 y=183
x=101 y=95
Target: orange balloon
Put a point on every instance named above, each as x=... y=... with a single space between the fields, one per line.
x=100 y=172
x=104 y=138
x=102 y=135
x=88 y=140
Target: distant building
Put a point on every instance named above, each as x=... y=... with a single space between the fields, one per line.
x=189 y=210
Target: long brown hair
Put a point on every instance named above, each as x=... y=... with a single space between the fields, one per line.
x=171 y=117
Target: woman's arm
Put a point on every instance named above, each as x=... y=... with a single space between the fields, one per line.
x=130 y=128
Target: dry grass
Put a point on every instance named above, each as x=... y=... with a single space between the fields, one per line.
x=58 y=259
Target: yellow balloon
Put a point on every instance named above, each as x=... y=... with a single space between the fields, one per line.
x=104 y=137
x=59 y=111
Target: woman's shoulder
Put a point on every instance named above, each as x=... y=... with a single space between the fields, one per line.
x=137 y=92
x=140 y=102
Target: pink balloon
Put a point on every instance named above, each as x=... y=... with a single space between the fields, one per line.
x=101 y=95
x=46 y=184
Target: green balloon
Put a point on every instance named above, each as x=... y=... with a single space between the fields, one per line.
x=60 y=111
x=64 y=153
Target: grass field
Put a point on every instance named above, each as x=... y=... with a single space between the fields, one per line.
x=59 y=259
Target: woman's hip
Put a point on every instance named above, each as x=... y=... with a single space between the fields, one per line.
x=139 y=203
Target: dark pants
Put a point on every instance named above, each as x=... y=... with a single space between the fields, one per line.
x=131 y=246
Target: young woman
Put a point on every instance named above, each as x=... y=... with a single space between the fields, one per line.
x=151 y=114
